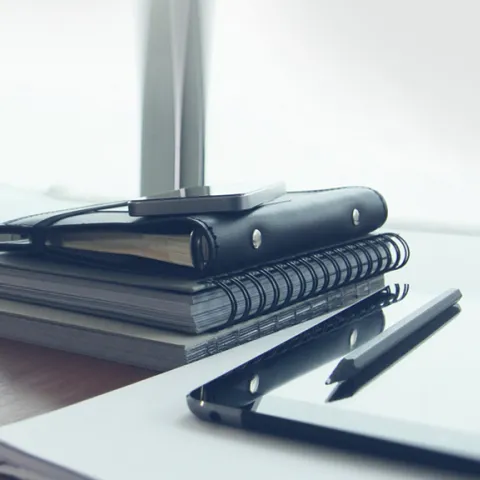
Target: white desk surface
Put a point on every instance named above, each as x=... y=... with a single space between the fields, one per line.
x=146 y=431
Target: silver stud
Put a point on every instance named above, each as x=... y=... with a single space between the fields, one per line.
x=356 y=217
x=353 y=338
x=256 y=239
x=254 y=384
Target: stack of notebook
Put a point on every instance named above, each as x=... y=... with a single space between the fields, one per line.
x=159 y=292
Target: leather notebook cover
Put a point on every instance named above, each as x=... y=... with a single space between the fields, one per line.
x=295 y=223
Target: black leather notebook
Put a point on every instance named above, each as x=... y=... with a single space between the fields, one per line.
x=201 y=245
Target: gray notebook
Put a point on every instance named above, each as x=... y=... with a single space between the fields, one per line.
x=156 y=348
x=190 y=305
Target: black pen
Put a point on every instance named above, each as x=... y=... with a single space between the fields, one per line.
x=364 y=356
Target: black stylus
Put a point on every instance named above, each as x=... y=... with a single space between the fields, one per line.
x=366 y=355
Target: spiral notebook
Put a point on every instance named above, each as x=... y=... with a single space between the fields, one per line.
x=155 y=348
x=197 y=306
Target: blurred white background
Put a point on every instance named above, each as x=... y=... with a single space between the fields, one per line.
x=370 y=92
x=319 y=93
x=70 y=96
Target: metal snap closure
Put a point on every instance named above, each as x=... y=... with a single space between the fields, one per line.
x=254 y=384
x=353 y=338
x=356 y=217
x=256 y=239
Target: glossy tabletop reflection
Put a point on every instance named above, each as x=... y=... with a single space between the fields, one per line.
x=427 y=383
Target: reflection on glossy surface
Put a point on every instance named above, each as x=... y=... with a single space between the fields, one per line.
x=351 y=386
x=306 y=352
x=435 y=384
x=424 y=408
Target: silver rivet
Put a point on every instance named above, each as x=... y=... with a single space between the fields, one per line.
x=254 y=384
x=356 y=217
x=256 y=238
x=353 y=338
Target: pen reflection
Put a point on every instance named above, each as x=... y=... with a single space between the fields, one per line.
x=326 y=341
x=350 y=387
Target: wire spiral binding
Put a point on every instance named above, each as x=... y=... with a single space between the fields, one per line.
x=383 y=298
x=327 y=270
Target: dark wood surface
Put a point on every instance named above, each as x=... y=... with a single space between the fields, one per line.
x=35 y=380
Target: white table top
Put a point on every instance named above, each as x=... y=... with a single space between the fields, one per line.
x=146 y=430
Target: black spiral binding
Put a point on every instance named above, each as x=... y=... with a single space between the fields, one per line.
x=382 y=299
x=313 y=275
x=288 y=281
x=357 y=261
x=261 y=292
x=275 y=288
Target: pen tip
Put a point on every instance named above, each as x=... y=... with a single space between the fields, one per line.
x=328 y=381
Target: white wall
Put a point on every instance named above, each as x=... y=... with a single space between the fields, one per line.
x=320 y=93
x=69 y=95
x=326 y=93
